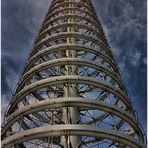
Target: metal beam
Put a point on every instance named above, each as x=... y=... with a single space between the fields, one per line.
x=70 y=102
x=71 y=80
x=66 y=130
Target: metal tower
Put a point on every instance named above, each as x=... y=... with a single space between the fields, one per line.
x=71 y=93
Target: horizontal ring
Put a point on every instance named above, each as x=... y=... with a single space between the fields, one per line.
x=71 y=102
x=68 y=79
x=47 y=22
x=70 y=8
x=71 y=24
x=67 y=61
x=53 y=7
x=63 y=130
x=62 y=47
x=71 y=34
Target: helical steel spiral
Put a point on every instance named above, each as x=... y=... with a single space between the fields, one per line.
x=71 y=93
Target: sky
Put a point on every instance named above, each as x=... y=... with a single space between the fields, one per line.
x=124 y=24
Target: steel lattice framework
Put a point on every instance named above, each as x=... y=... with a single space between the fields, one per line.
x=71 y=93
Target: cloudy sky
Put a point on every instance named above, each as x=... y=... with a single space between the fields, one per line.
x=124 y=23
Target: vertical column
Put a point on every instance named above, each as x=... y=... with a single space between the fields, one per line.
x=71 y=115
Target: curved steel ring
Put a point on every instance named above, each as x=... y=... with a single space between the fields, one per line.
x=62 y=130
x=69 y=24
x=71 y=34
x=67 y=61
x=94 y=23
x=70 y=47
x=68 y=79
x=70 y=102
x=71 y=9
x=53 y=7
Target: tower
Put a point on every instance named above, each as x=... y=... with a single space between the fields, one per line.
x=71 y=93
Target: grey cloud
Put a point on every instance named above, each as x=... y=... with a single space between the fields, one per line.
x=125 y=26
x=21 y=21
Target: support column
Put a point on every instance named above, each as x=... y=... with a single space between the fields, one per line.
x=71 y=115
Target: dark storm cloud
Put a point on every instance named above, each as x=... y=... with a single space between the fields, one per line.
x=124 y=23
x=21 y=21
x=9 y=69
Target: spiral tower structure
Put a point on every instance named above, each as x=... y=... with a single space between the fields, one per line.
x=71 y=93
